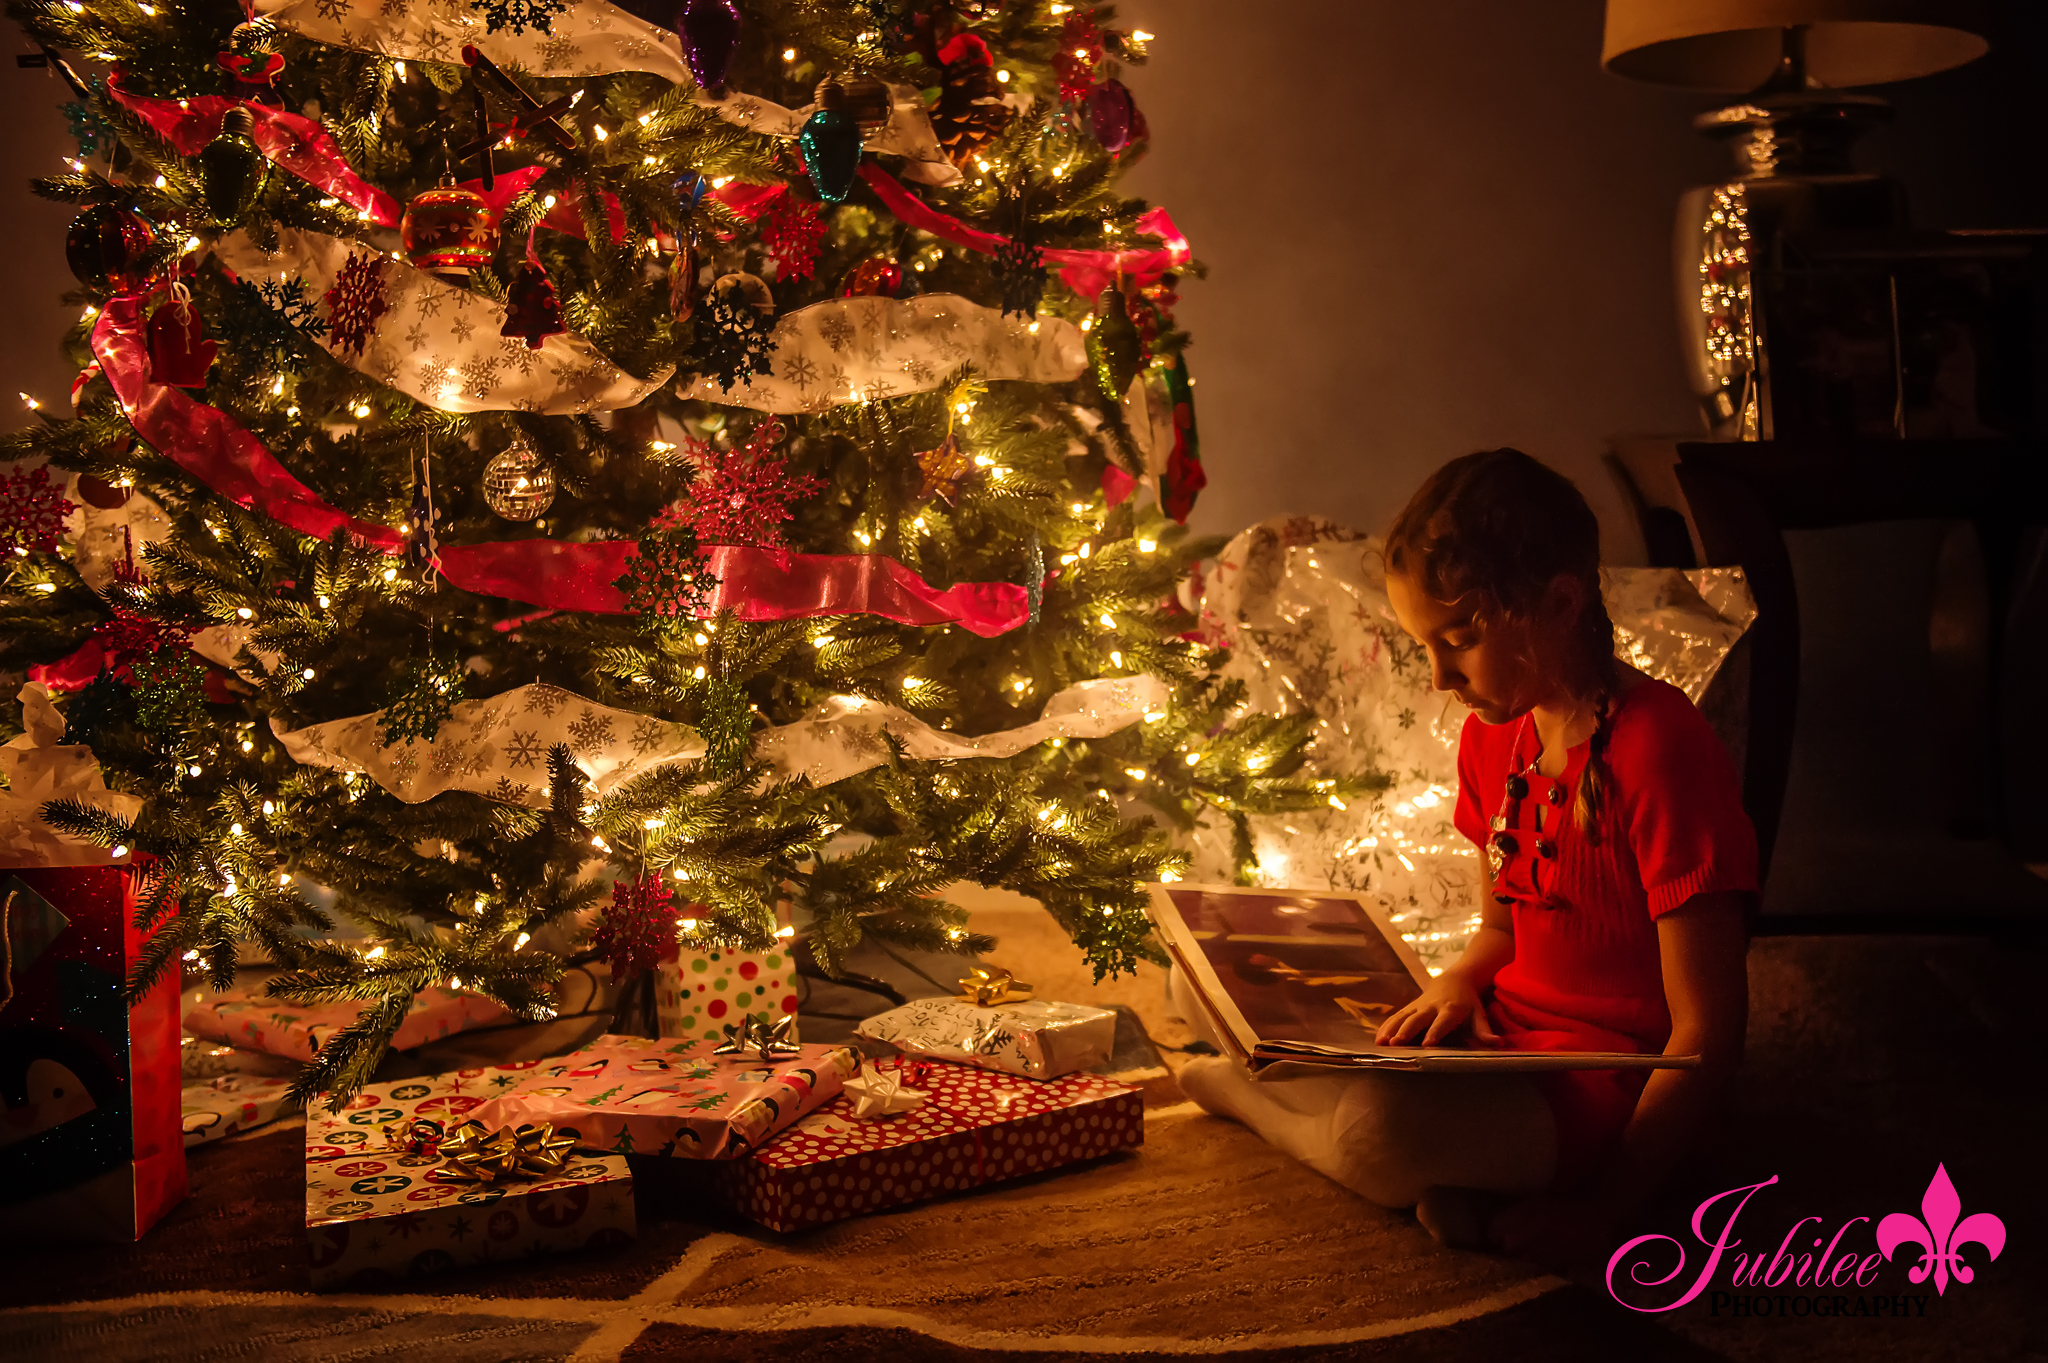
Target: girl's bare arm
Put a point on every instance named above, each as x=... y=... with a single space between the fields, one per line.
x=1706 y=985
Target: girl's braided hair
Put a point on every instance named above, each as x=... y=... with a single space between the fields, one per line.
x=1497 y=528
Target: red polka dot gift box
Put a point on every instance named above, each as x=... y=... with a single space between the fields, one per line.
x=974 y=1127
x=699 y=993
x=378 y=1215
x=636 y=1095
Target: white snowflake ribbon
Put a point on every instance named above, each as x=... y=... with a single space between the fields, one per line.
x=498 y=748
x=439 y=343
x=907 y=133
x=590 y=38
x=843 y=735
x=860 y=349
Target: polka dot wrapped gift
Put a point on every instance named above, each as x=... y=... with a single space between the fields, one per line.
x=976 y=1127
x=377 y=1215
x=699 y=992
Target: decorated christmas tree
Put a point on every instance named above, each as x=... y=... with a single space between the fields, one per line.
x=550 y=473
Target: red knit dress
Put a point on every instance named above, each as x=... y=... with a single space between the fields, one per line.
x=1586 y=973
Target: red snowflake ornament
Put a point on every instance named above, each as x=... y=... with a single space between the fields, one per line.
x=791 y=232
x=639 y=926
x=1079 y=54
x=32 y=510
x=356 y=301
x=743 y=497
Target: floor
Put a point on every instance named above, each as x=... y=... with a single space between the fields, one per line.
x=1871 y=1061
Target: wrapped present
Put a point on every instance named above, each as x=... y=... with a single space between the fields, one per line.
x=974 y=1127
x=649 y=1096
x=700 y=993
x=231 y=1104
x=202 y=1058
x=384 y=1205
x=247 y=1020
x=1038 y=1038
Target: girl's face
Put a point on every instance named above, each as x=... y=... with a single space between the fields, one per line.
x=1485 y=665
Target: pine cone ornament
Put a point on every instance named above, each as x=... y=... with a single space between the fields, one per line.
x=970 y=111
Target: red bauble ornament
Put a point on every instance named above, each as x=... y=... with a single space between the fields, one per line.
x=532 y=312
x=179 y=353
x=449 y=229
x=107 y=246
x=875 y=278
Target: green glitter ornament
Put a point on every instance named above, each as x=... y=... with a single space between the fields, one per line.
x=727 y=723
x=1115 y=350
x=170 y=690
x=421 y=701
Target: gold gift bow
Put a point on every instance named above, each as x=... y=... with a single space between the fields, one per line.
x=414 y=1135
x=988 y=985
x=477 y=1154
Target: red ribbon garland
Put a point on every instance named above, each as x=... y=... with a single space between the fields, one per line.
x=754 y=583
x=301 y=146
x=1087 y=273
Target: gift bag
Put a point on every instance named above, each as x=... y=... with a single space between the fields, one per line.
x=91 y=1146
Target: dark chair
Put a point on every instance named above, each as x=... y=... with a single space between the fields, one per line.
x=1743 y=497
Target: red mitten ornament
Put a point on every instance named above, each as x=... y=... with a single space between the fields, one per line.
x=532 y=312
x=179 y=353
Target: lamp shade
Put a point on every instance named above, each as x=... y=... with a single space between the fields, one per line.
x=1734 y=45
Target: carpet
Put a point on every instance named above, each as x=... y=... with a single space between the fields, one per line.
x=1870 y=1061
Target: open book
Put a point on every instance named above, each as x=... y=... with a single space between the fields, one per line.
x=1305 y=977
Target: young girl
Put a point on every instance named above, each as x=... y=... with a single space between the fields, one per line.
x=1621 y=870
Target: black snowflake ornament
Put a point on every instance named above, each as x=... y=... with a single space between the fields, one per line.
x=1020 y=275
x=733 y=334
x=102 y=703
x=668 y=577
x=520 y=15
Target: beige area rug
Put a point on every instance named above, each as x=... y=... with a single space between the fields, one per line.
x=1205 y=1241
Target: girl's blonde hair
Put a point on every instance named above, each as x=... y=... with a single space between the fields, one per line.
x=1496 y=529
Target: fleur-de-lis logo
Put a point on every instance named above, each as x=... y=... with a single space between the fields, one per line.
x=1939 y=1236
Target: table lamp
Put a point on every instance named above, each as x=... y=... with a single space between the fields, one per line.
x=1792 y=134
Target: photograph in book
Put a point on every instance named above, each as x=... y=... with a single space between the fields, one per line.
x=1308 y=976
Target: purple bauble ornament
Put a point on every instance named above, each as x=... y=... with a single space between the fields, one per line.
x=710 y=30
x=1111 y=114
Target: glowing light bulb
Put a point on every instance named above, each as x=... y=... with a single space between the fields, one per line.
x=1147 y=546
x=307 y=674
x=910 y=683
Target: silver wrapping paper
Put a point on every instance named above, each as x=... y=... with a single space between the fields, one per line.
x=1038 y=1039
x=1301 y=603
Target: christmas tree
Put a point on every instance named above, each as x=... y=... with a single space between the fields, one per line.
x=712 y=471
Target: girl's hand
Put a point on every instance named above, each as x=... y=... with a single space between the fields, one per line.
x=1450 y=1001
